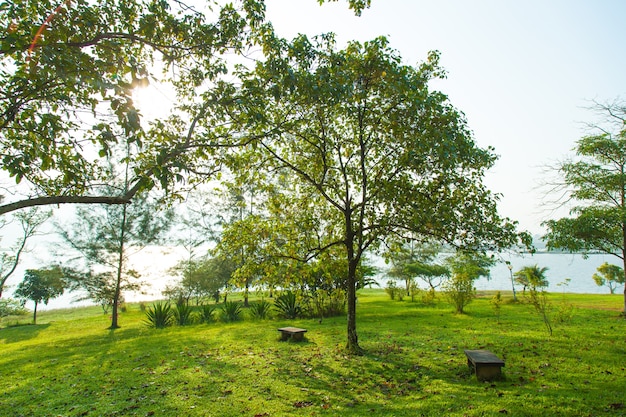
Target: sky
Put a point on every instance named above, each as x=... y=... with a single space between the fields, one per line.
x=525 y=73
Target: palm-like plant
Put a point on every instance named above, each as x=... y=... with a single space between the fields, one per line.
x=532 y=277
x=183 y=313
x=260 y=310
x=231 y=311
x=159 y=315
x=288 y=306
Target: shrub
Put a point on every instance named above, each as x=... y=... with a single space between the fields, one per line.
x=459 y=291
x=325 y=303
x=336 y=304
x=429 y=297
x=11 y=307
x=288 y=305
x=496 y=304
x=538 y=298
x=260 y=310
x=142 y=306
x=414 y=290
x=231 y=311
x=159 y=316
x=394 y=291
x=183 y=314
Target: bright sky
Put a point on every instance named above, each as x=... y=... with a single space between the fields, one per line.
x=523 y=72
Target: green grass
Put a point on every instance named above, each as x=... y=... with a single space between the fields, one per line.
x=71 y=365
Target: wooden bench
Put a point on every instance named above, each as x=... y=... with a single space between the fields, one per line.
x=294 y=333
x=486 y=365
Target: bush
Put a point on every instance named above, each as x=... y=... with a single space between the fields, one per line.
x=429 y=297
x=335 y=304
x=260 y=310
x=11 y=307
x=538 y=298
x=288 y=305
x=414 y=290
x=231 y=311
x=183 y=314
x=459 y=291
x=496 y=304
x=394 y=291
x=324 y=303
x=159 y=316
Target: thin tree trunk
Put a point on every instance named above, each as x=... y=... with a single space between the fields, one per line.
x=353 y=339
x=120 y=267
x=624 y=266
x=35 y=314
x=624 y=248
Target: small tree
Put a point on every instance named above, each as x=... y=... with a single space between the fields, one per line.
x=466 y=267
x=30 y=220
x=535 y=279
x=609 y=275
x=496 y=304
x=41 y=285
x=200 y=278
x=100 y=287
x=410 y=259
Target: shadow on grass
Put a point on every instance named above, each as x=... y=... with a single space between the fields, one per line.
x=13 y=334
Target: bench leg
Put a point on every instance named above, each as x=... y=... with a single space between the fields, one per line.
x=284 y=336
x=488 y=373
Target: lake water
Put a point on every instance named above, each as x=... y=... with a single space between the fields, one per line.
x=560 y=267
x=155 y=264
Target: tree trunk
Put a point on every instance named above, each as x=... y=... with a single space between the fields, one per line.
x=120 y=267
x=624 y=256
x=624 y=266
x=353 y=261
x=35 y=313
x=353 y=340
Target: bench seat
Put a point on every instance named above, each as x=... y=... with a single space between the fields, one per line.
x=294 y=333
x=486 y=365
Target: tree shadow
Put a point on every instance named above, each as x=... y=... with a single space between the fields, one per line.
x=21 y=332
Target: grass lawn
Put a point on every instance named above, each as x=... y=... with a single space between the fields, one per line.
x=69 y=364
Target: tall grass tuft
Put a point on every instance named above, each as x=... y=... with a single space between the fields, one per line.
x=159 y=315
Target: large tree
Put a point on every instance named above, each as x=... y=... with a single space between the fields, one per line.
x=372 y=150
x=595 y=183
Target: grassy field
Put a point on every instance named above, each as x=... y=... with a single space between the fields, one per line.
x=71 y=365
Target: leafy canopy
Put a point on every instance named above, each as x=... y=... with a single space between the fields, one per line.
x=370 y=152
